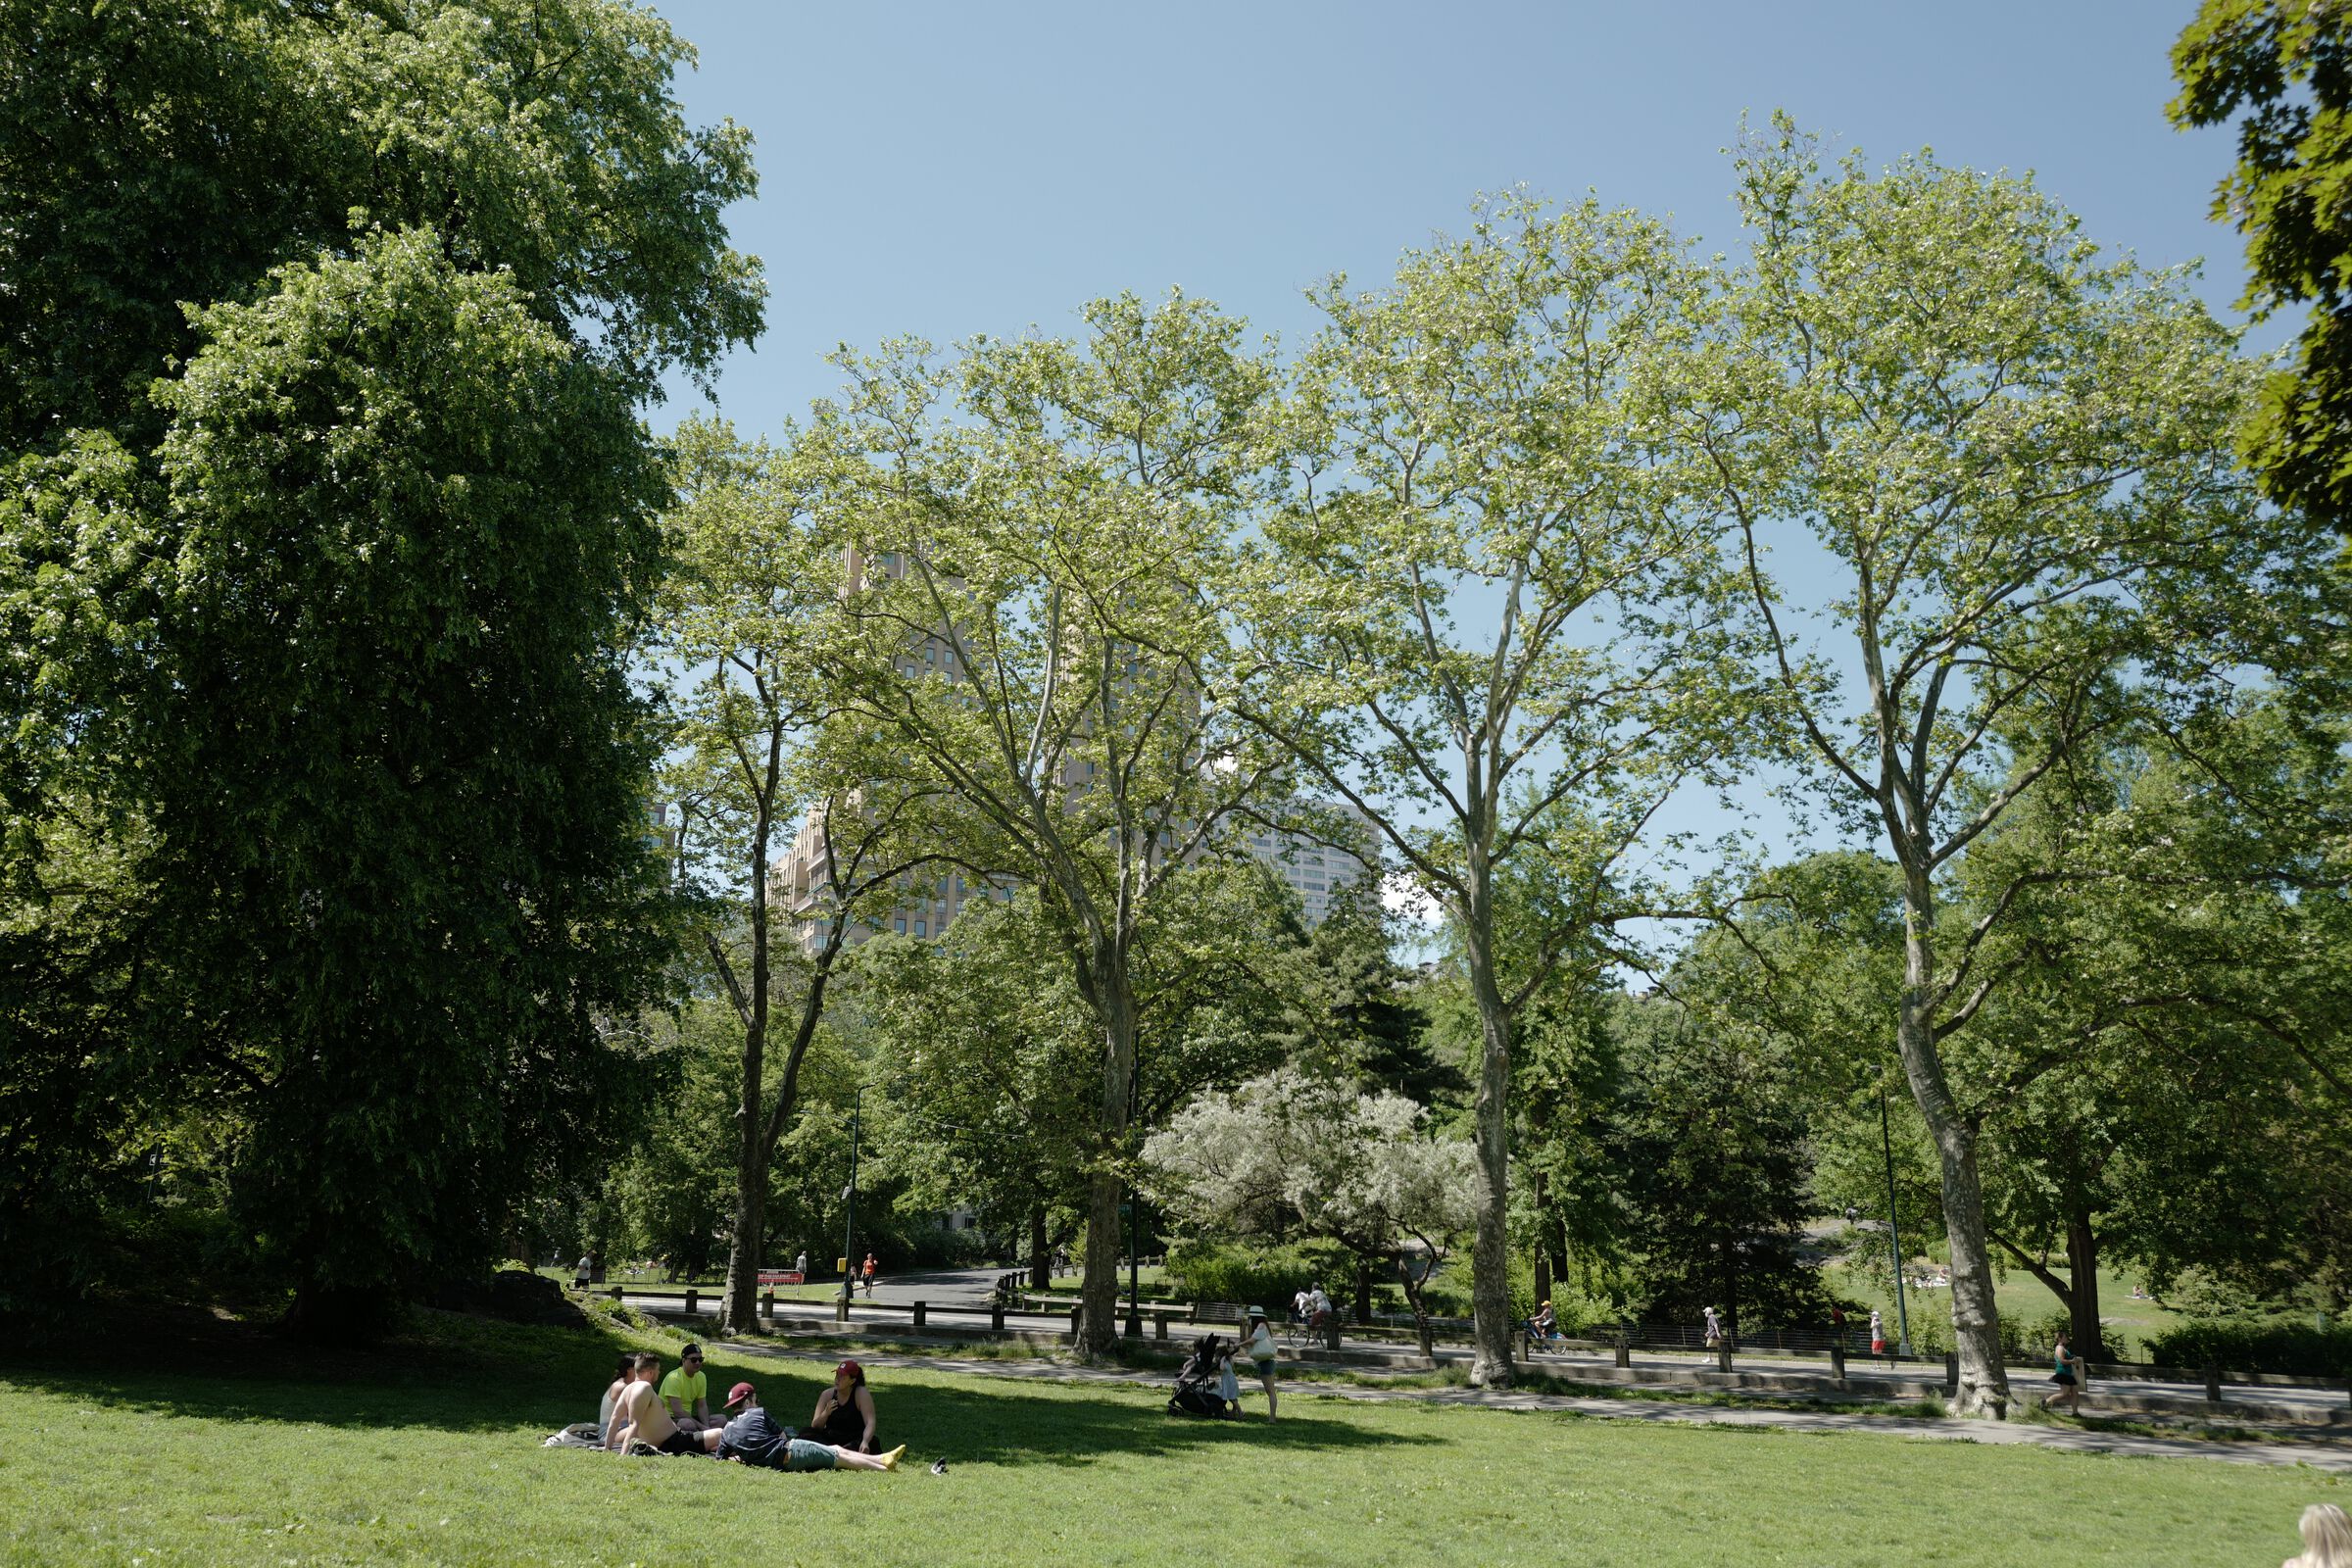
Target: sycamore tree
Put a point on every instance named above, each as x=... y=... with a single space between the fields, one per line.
x=1046 y=529
x=1288 y=1152
x=1484 y=614
x=750 y=616
x=2006 y=464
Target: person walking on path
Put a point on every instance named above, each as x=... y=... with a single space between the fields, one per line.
x=1259 y=1345
x=579 y=1273
x=2326 y=1539
x=869 y=1275
x=2066 y=1372
x=800 y=1265
x=1877 y=1333
x=1714 y=1328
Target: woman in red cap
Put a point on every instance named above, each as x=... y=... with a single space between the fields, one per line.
x=845 y=1412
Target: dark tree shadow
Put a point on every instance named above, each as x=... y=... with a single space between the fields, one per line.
x=474 y=1375
x=1007 y=1423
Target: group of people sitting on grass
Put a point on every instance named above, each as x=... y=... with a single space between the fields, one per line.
x=646 y=1412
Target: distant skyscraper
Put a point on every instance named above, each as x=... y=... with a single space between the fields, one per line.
x=1313 y=872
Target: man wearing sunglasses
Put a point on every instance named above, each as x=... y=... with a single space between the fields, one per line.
x=687 y=1393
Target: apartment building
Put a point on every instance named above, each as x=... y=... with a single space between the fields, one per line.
x=1313 y=870
x=932 y=900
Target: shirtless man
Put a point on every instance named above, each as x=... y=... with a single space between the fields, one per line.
x=640 y=1415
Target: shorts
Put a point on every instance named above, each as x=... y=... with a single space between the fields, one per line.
x=802 y=1454
x=2063 y=1379
x=1878 y=1346
x=680 y=1442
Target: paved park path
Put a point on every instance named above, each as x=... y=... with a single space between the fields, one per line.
x=1665 y=1370
x=2332 y=1456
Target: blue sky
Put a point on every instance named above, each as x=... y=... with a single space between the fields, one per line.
x=945 y=170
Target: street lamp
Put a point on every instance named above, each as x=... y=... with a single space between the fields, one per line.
x=1894 y=1238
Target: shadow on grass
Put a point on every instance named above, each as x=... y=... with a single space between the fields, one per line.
x=459 y=1374
x=445 y=1371
x=1066 y=1424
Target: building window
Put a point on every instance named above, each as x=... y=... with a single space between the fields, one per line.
x=918 y=929
x=898 y=925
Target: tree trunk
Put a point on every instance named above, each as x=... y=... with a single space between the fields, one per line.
x=1489 y=1257
x=1731 y=1287
x=1412 y=1296
x=1543 y=1239
x=1363 y=1290
x=1097 y=1325
x=739 y=1309
x=2082 y=1278
x=1040 y=1250
x=1976 y=1321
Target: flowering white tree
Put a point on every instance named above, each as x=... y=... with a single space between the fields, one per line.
x=1306 y=1153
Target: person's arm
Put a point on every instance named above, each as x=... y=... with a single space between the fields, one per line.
x=866 y=1408
x=624 y=1423
x=702 y=1409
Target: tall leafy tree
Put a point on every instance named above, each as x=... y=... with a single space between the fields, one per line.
x=409 y=845
x=1049 y=526
x=321 y=359
x=171 y=151
x=2173 y=1049
x=1486 y=615
x=1709 y=1134
x=2016 y=458
x=751 y=612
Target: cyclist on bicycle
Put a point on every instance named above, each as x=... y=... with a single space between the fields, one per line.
x=1318 y=1310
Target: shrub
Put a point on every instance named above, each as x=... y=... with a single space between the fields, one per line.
x=1251 y=1276
x=2290 y=1346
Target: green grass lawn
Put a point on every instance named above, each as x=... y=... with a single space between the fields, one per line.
x=182 y=1443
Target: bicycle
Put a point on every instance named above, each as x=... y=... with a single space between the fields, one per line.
x=1311 y=1330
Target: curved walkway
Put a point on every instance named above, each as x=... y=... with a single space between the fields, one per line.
x=2332 y=1456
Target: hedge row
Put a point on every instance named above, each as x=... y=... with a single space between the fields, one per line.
x=2293 y=1346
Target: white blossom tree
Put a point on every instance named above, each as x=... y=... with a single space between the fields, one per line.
x=1289 y=1151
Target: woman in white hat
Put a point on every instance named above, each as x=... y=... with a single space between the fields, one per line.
x=1258 y=1344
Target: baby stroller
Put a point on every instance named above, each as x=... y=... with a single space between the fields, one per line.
x=1198 y=1380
